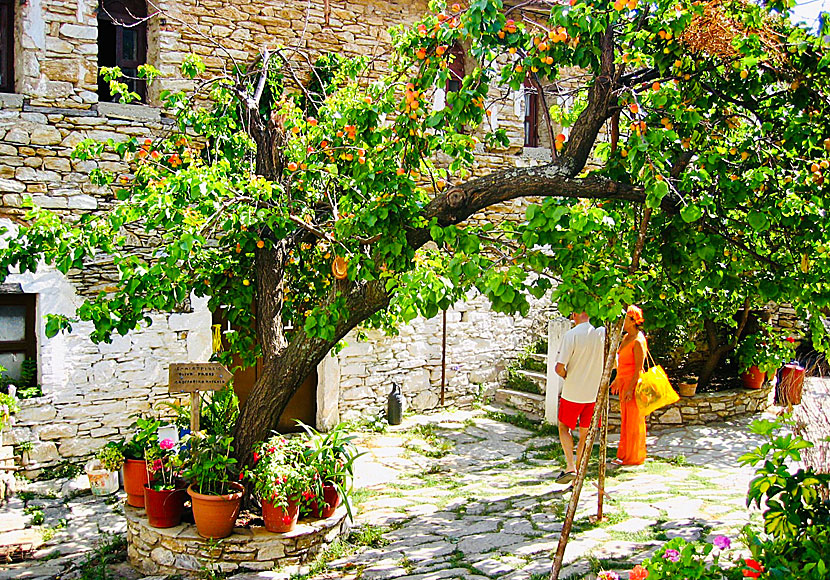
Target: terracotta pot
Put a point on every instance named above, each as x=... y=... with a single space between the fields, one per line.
x=135 y=478
x=753 y=378
x=332 y=498
x=215 y=515
x=278 y=519
x=687 y=389
x=164 y=508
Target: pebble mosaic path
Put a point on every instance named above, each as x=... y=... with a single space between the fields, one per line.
x=465 y=495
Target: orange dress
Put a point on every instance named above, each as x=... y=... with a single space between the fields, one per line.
x=632 y=448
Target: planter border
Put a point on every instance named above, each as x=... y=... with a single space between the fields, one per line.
x=181 y=550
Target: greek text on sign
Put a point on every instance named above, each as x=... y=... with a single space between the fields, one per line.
x=192 y=377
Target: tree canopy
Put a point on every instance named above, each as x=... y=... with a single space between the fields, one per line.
x=307 y=201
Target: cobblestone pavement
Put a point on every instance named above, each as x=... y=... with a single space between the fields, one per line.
x=464 y=494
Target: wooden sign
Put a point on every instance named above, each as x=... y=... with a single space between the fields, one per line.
x=194 y=377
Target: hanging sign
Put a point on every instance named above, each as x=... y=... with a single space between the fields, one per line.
x=194 y=377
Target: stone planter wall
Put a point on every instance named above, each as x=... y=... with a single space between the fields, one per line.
x=180 y=550
x=704 y=408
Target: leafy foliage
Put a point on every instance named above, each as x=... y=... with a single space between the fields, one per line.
x=335 y=187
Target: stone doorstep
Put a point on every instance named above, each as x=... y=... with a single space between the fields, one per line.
x=18 y=543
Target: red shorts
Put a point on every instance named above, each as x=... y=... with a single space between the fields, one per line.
x=570 y=413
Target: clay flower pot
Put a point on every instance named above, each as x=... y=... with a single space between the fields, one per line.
x=278 y=519
x=135 y=478
x=164 y=508
x=215 y=515
x=753 y=378
x=687 y=388
x=331 y=499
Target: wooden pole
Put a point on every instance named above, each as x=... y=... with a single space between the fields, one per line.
x=602 y=401
x=194 y=411
x=603 y=446
x=584 y=459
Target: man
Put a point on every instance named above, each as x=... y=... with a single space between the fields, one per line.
x=579 y=363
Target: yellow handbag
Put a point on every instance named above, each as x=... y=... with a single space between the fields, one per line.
x=654 y=390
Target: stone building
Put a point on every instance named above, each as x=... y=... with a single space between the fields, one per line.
x=51 y=99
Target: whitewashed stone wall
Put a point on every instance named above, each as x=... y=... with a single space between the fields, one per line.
x=480 y=343
x=91 y=391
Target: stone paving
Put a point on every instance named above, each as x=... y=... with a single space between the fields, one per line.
x=463 y=495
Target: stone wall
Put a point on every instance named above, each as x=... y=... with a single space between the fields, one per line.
x=704 y=408
x=480 y=343
x=180 y=550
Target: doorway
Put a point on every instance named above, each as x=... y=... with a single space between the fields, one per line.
x=302 y=405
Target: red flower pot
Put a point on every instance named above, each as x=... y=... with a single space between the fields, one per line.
x=135 y=478
x=215 y=515
x=165 y=507
x=753 y=378
x=279 y=520
x=331 y=497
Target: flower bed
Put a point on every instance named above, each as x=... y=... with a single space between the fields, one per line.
x=180 y=550
x=704 y=408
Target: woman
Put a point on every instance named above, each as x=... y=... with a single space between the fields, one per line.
x=630 y=357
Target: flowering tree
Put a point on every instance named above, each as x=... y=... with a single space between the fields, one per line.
x=306 y=202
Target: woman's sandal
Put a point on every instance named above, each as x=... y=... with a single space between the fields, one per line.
x=614 y=463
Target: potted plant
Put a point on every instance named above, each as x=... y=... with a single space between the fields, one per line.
x=761 y=355
x=145 y=434
x=102 y=471
x=215 y=495
x=687 y=386
x=164 y=495
x=332 y=455
x=280 y=477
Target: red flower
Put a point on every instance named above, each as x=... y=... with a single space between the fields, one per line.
x=241 y=475
x=307 y=494
x=638 y=573
x=753 y=569
x=790 y=339
x=256 y=456
x=286 y=519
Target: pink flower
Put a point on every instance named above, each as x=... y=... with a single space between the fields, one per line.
x=608 y=575
x=167 y=444
x=672 y=556
x=157 y=465
x=722 y=542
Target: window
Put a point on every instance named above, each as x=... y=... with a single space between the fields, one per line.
x=7 y=46
x=122 y=42
x=456 y=69
x=18 y=341
x=531 y=96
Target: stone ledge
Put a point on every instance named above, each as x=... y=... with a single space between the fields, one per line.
x=129 y=112
x=11 y=101
x=180 y=550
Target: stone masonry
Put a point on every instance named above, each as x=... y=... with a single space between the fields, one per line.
x=90 y=391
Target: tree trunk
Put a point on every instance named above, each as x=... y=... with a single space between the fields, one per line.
x=285 y=370
x=711 y=364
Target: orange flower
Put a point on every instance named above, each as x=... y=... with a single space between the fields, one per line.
x=638 y=573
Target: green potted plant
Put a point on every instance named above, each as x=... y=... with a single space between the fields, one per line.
x=761 y=355
x=280 y=477
x=687 y=386
x=145 y=434
x=102 y=471
x=164 y=495
x=332 y=455
x=215 y=496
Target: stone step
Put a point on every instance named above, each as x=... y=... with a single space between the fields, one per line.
x=540 y=379
x=530 y=404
